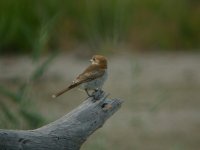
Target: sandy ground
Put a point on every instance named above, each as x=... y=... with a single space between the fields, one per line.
x=161 y=93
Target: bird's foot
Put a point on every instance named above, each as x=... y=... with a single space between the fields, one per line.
x=97 y=95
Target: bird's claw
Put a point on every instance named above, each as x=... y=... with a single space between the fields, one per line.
x=97 y=95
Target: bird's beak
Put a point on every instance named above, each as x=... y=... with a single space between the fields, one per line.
x=90 y=60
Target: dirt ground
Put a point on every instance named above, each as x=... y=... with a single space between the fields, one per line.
x=161 y=93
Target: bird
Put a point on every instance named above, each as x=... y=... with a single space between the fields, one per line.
x=92 y=78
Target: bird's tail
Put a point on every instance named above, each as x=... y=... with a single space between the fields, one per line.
x=65 y=90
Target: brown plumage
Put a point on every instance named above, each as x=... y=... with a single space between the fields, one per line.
x=92 y=78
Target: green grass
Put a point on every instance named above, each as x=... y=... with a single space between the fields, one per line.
x=25 y=114
x=36 y=27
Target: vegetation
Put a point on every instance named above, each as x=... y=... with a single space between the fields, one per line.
x=162 y=114
x=40 y=26
x=24 y=114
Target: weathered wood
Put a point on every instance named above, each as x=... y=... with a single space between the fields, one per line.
x=66 y=133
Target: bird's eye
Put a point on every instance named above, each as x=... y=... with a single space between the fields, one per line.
x=94 y=59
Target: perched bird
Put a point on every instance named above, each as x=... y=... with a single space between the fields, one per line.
x=92 y=78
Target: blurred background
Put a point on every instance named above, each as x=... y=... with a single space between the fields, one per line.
x=153 y=48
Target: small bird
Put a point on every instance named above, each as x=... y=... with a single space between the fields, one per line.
x=92 y=78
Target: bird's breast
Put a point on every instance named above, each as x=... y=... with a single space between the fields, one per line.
x=96 y=83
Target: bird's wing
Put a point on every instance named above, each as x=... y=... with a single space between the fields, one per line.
x=91 y=73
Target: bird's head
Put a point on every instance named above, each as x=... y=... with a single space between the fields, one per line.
x=99 y=60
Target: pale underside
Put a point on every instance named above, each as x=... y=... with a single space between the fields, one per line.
x=96 y=83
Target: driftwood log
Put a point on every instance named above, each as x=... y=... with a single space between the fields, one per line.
x=66 y=133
